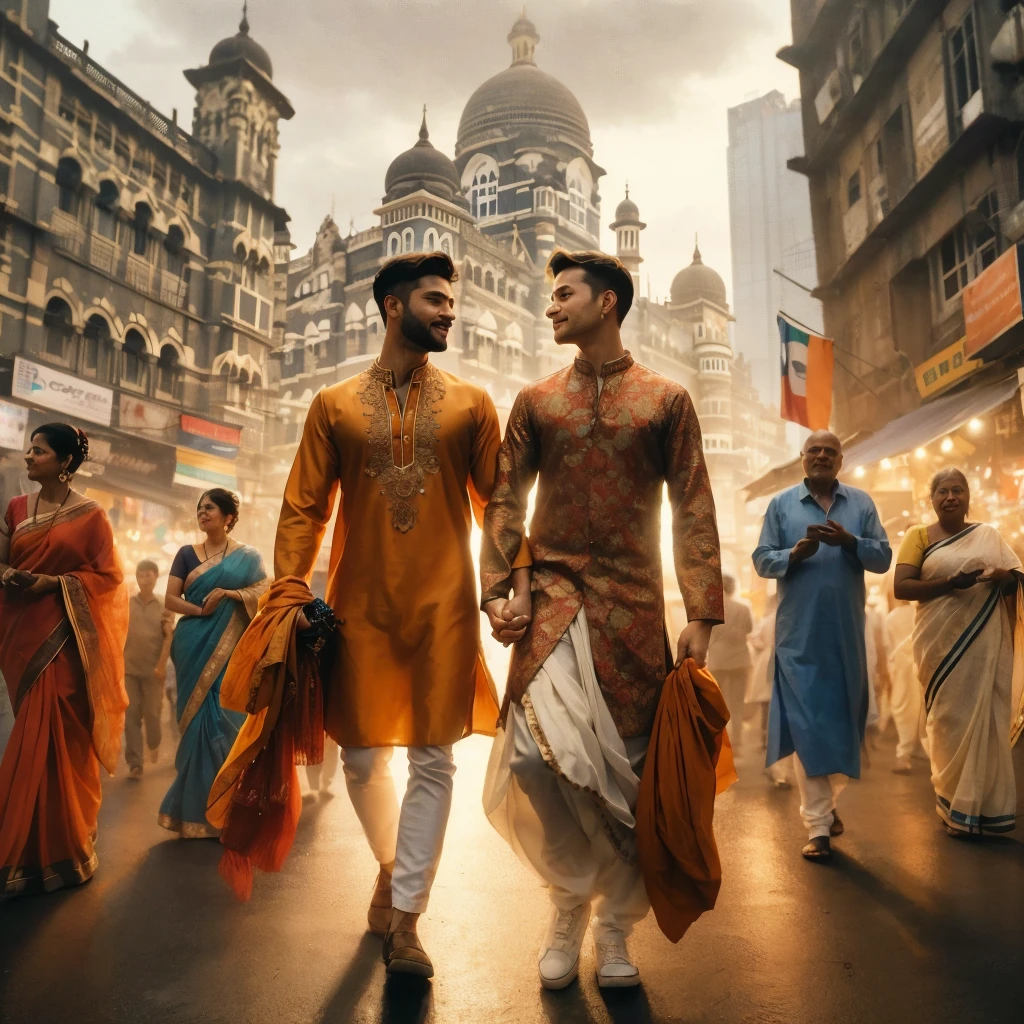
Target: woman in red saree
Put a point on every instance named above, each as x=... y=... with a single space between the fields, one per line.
x=64 y=615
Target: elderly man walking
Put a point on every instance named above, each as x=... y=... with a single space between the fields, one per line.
x=817 y=540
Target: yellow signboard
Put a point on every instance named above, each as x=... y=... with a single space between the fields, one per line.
x=944 y=369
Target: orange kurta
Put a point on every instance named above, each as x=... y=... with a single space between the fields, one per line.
x=409 y=670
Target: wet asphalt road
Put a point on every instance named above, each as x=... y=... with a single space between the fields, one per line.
x=905 y=926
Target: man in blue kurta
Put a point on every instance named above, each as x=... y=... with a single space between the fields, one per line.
x=817 y=540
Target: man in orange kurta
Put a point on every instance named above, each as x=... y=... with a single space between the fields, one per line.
x=413 y=451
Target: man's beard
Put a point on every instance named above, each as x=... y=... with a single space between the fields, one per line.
x=419 y=333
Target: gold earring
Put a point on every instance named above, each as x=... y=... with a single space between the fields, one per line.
x=63 y=477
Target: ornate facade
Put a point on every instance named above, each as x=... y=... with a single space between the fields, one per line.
x=137 y=265
x=523 y=182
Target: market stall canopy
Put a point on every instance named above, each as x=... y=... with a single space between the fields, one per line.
x=901 y=435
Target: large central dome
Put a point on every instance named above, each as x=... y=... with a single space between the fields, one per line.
x=521 y=98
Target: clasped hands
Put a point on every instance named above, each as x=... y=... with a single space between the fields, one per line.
x=829 y=532
x=510 y=617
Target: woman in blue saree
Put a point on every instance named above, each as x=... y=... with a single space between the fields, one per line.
x=215 y=586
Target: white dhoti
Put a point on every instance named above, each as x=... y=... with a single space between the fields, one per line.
x=818 y=797
x=562 y=785
x=414 y=836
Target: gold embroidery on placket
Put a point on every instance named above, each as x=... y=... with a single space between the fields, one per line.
x=401 y=483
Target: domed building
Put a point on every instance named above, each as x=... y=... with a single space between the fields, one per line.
x=525 y=157
x=523 y=181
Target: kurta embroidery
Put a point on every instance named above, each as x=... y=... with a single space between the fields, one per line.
x=403 y=447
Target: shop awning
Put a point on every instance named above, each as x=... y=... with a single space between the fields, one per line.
x=900 y=436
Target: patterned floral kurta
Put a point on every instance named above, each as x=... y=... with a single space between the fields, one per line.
x=601 y=459
x=408 y=669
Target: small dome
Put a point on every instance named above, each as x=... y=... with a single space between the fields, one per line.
x=698 y=281
x=627 y=210
x=244 y=46
x=422 y=167
x=523 y=97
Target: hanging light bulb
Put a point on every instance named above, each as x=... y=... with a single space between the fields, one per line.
x=946 y=446
x=975 y=426
x=886 y=463
x=859 y=472
x=921 y=453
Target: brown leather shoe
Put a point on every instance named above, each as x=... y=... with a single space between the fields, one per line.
x=378 y=917
x=404 y=954
x=837 y=828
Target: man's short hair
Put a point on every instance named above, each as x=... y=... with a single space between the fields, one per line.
x=146 y=565
x=602 y=272
x=728 y=584
x=400 y=273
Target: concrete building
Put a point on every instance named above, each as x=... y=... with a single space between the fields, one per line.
x=137 y=268
x=523 y=181
x=912 y=118
x=773 y=259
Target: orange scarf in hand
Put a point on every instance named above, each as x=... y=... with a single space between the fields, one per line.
x=255 y=799
x=689 y=761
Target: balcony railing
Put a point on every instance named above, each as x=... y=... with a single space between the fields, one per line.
x=172 y=289
x=103 y=254
x=69 y=235
x=131 y=102
x=139 y=275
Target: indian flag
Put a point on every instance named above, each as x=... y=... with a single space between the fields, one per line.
x=806 y=375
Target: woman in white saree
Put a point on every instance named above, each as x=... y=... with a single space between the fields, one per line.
x=967 y=583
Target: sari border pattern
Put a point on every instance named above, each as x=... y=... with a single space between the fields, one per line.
x=218 y=660
x=21 y=881
x=187 y=829
x=957 y=651
x=77 y=606
x=45 y=653
x=60 y=515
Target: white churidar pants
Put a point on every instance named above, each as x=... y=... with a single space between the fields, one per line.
x=320 y=776
x=412 y=838
x=818 y=796
x=562 y=785
x=907 y=706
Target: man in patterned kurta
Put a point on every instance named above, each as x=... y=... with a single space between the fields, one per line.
x=413 y=452
x=601 y=439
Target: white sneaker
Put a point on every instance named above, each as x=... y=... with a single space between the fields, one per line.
x=614 y=968
x=560 y=958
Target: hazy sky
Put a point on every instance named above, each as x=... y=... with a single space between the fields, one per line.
x=655 y=78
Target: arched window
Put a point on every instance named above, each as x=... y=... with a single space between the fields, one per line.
x=69 y=184
x=107 y=201
x=430 y=240
x=577 y=203
x=446 y=243
x=485 y=194
x=133 y=367
x=489 y=281
x=143 y=216
x=175 y=244
x=393 y=244
x=477 y=277
x=408 y=240
x=467 y=270
x=306 y=288
x=168 y=376
x=59 y=328
x=97 y=347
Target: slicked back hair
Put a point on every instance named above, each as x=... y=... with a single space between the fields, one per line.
x=400 y=273
x=602 y=272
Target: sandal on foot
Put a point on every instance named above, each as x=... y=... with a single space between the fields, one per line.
x=819 y=848
x=837 y=828
x=378 y=917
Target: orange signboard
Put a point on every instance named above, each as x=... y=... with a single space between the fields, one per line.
x=992 y=303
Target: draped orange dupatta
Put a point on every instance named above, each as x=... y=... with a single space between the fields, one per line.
x=62 y=657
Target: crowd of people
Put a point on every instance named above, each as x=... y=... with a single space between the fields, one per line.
x=413 y=452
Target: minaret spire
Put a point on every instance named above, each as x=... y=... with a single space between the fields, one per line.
x=424 y=134
x=243 y=25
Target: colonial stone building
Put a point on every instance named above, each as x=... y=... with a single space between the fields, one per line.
x=137 y=266
x=523 y=181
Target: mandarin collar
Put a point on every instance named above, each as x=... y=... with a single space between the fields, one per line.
x=385 y=376
x=608 y=369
